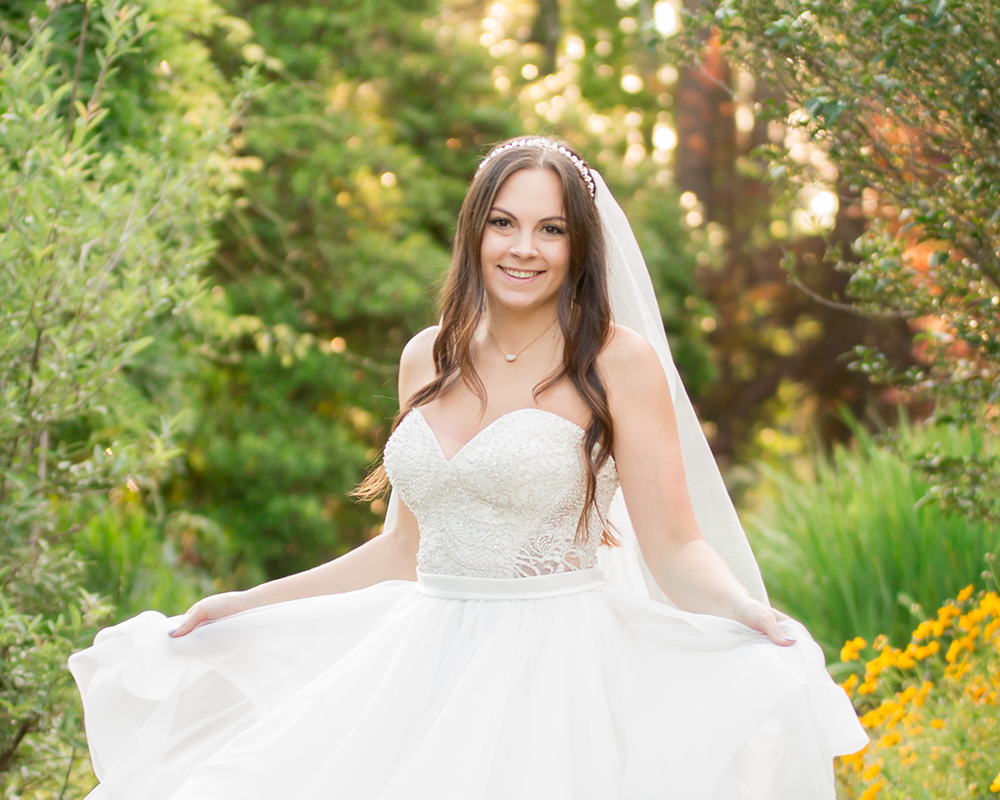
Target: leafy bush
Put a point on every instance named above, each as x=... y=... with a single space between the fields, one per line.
x=139 y=562
x=930 y=707
x=101 y=245
x=900 y=96
x=850 y=547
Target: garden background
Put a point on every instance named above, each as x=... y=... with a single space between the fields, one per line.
x=220 y=220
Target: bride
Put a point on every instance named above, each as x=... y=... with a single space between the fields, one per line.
x=561 y=605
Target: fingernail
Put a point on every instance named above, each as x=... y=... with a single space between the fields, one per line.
x=171 y=633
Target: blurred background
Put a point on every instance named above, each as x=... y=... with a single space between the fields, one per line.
x=221 y=220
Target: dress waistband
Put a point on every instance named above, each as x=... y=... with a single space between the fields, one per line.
x=461 y=587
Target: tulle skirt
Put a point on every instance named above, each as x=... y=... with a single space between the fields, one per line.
x=559 y=687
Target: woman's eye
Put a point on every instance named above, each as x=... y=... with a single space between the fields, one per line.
x=500 y=222
x=553 y=230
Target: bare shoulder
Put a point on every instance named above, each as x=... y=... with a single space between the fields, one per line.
x=631 y=368
x=627 y=352
x=416 y=364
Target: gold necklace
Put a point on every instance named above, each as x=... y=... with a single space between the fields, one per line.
x=511 y=357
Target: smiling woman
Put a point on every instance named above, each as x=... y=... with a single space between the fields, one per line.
x=510 y=668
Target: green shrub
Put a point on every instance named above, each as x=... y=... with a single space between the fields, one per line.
x=139 y=562
x=849 y=548
x=900 y=97
x=102 y=242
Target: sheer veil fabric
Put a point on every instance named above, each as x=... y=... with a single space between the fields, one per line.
x=633 y=304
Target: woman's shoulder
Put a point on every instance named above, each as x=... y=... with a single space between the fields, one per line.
x=421 y=346
x=416 y=363
x=627 y=350
x=630 y=365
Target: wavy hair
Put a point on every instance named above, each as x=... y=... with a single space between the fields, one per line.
x=584 y=307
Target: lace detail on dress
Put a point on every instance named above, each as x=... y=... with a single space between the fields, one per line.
x=507 y=504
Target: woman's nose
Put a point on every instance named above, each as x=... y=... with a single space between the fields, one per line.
x=523 y=245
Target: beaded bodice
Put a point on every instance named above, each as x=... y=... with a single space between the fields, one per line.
x=504 y=506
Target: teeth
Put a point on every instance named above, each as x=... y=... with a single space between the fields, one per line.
x=519 y=273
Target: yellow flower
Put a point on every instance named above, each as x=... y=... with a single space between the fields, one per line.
x=850 y=651
x=871 y=791
x=907 y=757
x=995 y=786
x=889 y=740
x=991 y=604
x=872 y=772
x=922 y=694
x=956 y=671
x=957 y=646
x=965 y=594
x=849 y=684
x=856 y=760
x=927 y=650
x=966 y=621
x=937 y=724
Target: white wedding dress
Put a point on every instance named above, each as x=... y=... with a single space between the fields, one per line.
x=510 y=670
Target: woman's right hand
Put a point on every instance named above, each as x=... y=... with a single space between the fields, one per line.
x=212 y=608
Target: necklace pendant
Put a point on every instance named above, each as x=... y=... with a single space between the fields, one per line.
x=511 y=356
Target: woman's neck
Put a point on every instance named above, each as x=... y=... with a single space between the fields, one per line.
x=513 y=330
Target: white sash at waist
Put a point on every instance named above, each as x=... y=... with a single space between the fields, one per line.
x=461 y=587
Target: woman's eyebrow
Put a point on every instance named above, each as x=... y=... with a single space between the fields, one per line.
x=498 y=210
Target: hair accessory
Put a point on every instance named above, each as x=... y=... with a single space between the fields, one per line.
x=545 y=144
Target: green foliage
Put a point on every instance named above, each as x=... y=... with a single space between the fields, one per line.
x=43 y=613
x=902 y=96
x=851 y=547
x=101 y=244
x=139 y=562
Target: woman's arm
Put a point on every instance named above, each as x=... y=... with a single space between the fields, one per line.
x=392 y=555
x=647 y=452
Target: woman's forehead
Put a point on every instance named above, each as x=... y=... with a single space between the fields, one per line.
x=531 y=192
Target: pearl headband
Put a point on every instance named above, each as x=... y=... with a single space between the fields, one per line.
x=545 y=144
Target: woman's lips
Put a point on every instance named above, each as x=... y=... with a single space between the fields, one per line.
x=521 y=274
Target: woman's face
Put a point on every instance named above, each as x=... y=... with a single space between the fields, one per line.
x=525 y=245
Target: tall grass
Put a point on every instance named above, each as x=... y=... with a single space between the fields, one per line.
x=850 y=550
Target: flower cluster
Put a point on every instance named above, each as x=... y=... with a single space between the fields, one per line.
x=930 y=707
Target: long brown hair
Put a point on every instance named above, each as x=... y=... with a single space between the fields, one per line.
x=584 y=306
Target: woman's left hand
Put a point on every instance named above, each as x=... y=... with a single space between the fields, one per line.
x=754 y=614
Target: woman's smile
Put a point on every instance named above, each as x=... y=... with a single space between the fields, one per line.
x=521 y=275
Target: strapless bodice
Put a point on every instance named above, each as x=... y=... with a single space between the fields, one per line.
x=507 y=503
